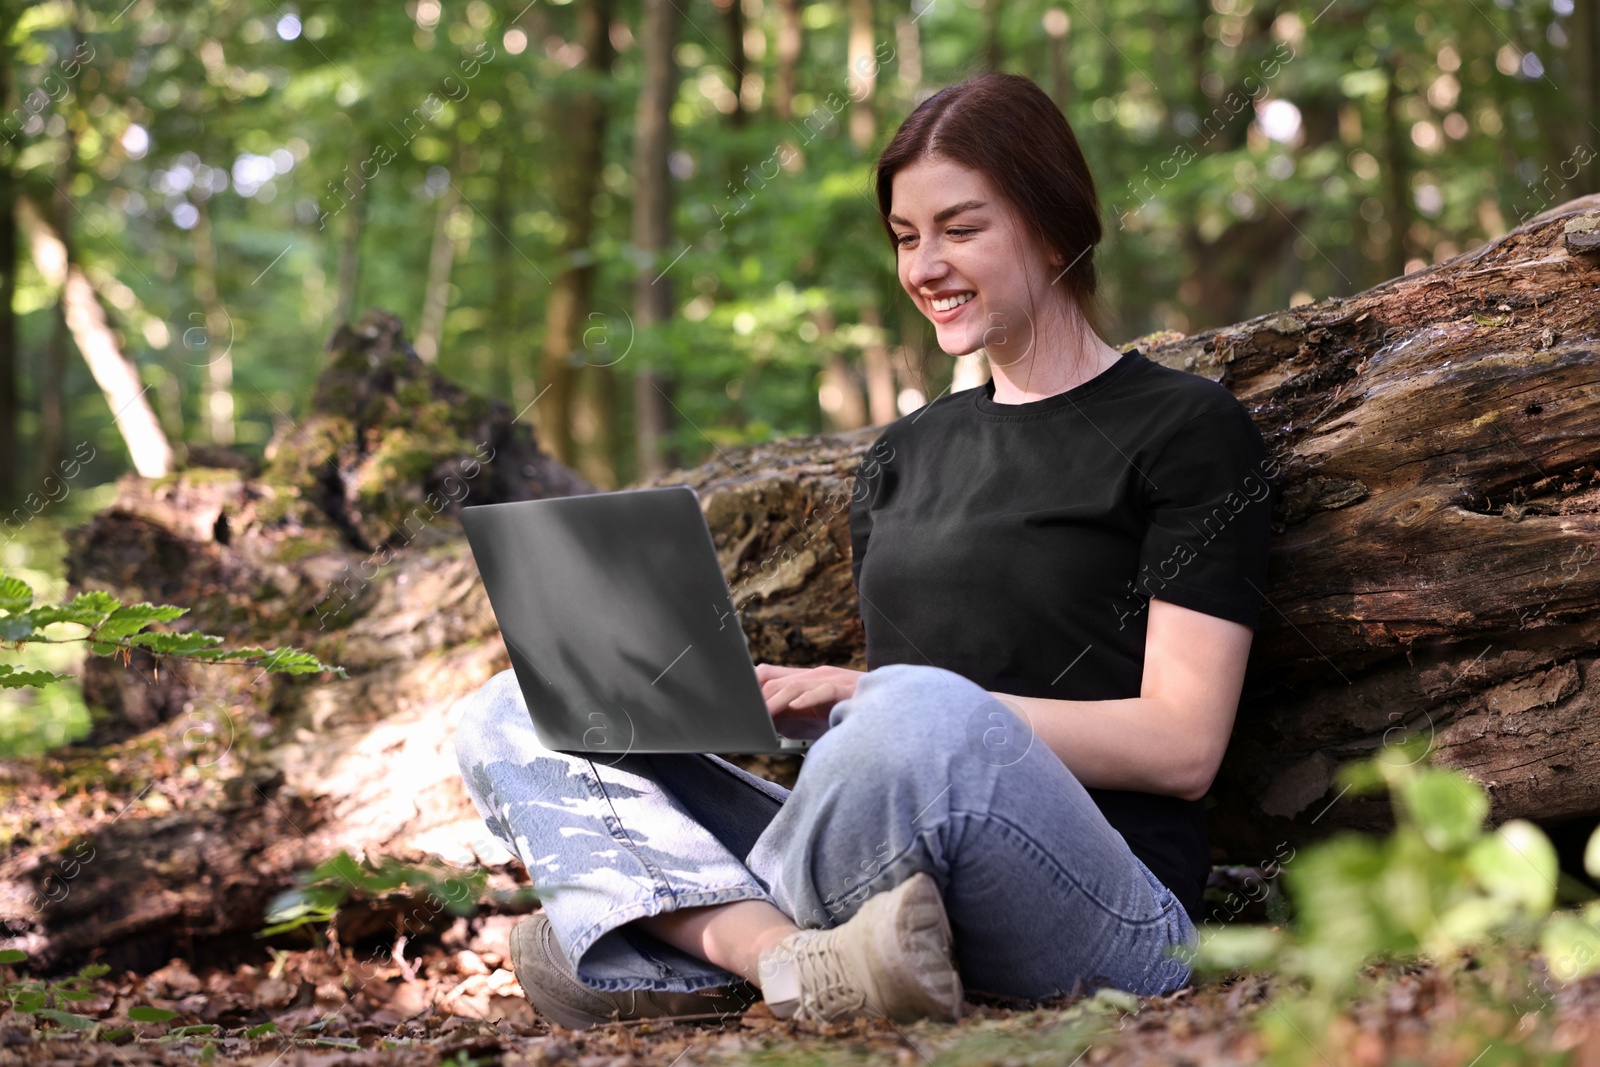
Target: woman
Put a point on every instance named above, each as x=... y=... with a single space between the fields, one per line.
x=1059 y=573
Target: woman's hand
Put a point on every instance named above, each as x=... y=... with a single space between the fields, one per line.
x=801 y=698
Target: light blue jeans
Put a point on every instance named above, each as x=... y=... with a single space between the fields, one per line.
x=921 y=770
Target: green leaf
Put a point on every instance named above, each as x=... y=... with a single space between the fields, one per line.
x=54 y=613
x=1468 y=922
x=12 y=955
x=1229 y=947
x=262 y=1029
x=16 y=595
x=1519 y=864
x=145 y=1013
x=293 y=661
x=1570 y=947
x=187 y=644
x=1446 y=806
x=127 y=621
x=94 y=970
x=94 y=604
x=67 y=1019
x=11 y=678
x=1112 y=1000
x=17 y=627
x=301 y=907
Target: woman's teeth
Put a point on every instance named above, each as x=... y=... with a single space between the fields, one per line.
x=953 y=302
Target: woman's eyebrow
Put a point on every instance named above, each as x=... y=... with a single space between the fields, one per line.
x=949 y=212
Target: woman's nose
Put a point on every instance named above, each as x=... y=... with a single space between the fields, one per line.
x=926 y=265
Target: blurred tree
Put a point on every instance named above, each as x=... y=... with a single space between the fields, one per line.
x=652 y=231
x=10 y=370
x=578 y=114
x=287 y=167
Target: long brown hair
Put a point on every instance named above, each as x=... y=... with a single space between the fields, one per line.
x=1005 y=126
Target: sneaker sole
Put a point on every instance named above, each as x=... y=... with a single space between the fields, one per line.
x=928 y=946
x=532 y=946
x=536 y=954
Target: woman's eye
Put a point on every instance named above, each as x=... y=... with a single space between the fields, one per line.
x=901 y=240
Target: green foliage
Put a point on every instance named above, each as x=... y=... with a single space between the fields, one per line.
x=333 y=883
x=50 y=1000
x=1440 y=886
x=112 y=628
x=1421 y=131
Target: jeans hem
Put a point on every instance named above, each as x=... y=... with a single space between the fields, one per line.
x=643 y=909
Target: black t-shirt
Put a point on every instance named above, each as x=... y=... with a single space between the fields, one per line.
x=1018 y=545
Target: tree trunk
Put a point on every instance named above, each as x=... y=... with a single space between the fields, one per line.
x=789 y=39
x=1433 y=572
x=993 y=50
x=578 y=122
x=1396 y=176
x=217 y=355
x=355 y=213
x=732 y=15
x=881 y=391
x=1584 y=57
x=10 y=371
x=863 y=76
x=908 y=51
x=506 y=333
x=652 y=229
x=113 y=371
x=441 y=257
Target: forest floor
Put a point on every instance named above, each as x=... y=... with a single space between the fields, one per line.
x=456 y=1003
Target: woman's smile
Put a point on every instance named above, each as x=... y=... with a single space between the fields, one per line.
x=945 y=308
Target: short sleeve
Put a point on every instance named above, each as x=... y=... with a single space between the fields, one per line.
x=1209 y=506
x=870 y=478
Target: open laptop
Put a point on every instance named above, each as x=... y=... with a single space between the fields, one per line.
x=620 y=625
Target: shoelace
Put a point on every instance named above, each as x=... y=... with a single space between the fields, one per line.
x=826 y=990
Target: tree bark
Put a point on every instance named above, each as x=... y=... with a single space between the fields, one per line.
x=113 y=371
x=10 y=371
x=863 y=75
x=1396 y=175
x=441 y=257
x=578 y=120
x=789 y=40
x=993 y=49
x=732 y=15
x=908 y=51
x=348 y=280
x=52 y=381
x=507 y=332
x=881 y=391
x=217 y=358
x=652 y=230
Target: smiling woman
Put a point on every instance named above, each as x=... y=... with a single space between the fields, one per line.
x=1010 y=798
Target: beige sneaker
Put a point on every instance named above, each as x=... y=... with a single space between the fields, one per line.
x=893 y=958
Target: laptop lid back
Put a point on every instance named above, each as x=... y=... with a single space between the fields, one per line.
x=619 y=623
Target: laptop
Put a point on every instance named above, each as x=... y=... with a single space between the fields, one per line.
x=620 y=625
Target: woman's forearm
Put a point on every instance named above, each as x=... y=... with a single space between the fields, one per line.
x=1132 y=743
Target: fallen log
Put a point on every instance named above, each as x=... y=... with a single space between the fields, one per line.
x=1438 y=482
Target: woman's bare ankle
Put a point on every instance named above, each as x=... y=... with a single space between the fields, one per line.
x=731 y=936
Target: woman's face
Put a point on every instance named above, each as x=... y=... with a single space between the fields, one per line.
x=959 y=241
